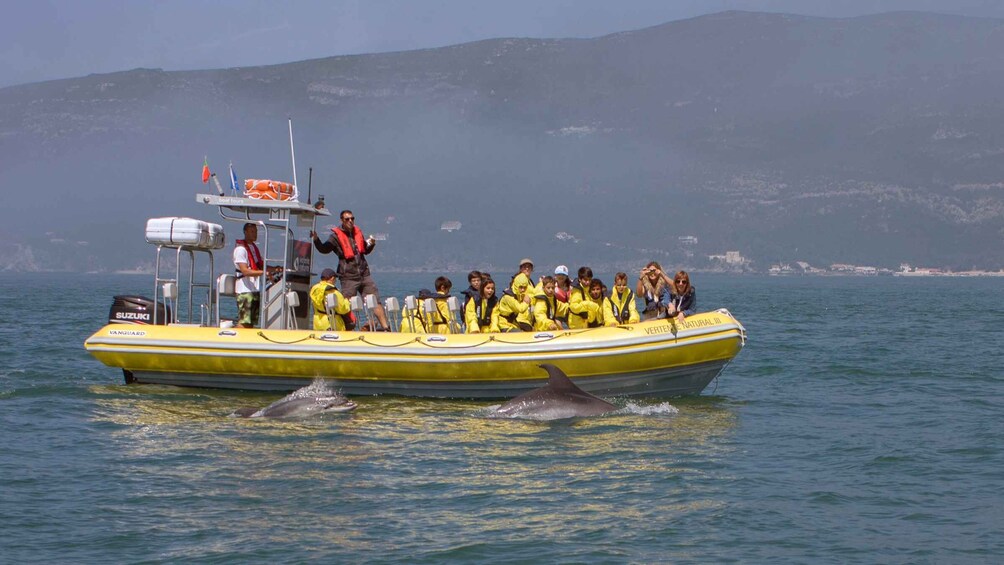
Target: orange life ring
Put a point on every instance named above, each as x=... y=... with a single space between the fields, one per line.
x=268 y=189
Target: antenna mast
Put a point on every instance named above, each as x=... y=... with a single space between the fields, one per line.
x=292 y=153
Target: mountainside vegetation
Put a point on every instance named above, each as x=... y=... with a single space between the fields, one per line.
x=869 y=140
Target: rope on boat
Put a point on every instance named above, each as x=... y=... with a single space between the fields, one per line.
x=742 y=328
x=392 y=345
x=262 y=335
x=541 y=340
x=434 y=346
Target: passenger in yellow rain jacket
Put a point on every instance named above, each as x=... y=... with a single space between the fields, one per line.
x=525 y=269
x=437 y=322
x=318 y=293
x=580 y=308
x=548 y=311
x=514 y=306
x=619 y=307
x=560 y=293
x=482 y=313
x=597 y=295
x=413 y=321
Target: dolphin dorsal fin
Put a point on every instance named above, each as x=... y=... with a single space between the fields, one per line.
x=558 y=380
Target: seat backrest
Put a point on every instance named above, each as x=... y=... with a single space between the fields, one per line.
x=226 y=285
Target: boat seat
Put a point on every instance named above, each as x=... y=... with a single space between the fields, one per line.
x=292 y=302
x=170 y=294
x=226 y=285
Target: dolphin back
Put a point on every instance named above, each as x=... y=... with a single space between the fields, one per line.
x=560 y=398
x=559 y=381
x=316 y=398
x=304 y=407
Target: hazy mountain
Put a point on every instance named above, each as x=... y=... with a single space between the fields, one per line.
x=875 y=139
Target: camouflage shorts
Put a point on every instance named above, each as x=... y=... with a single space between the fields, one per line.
x=248 y=309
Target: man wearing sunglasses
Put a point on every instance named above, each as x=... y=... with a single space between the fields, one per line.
x=353 y=270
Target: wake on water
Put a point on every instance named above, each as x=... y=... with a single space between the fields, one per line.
x=316 y=390
x=319 y=387
x=661 y=409
x=628 y=409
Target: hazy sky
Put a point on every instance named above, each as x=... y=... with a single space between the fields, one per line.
x=47 y=39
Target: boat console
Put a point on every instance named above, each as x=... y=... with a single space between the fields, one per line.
x=184 y=294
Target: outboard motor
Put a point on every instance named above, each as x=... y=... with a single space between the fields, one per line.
x=137 y=310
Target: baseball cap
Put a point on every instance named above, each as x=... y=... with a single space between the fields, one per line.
x=327 y=274
x=561 y=270
x=525 y=261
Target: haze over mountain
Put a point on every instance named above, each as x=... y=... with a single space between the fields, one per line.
x=869 y=140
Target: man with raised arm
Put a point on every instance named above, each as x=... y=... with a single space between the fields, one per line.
x=347 y=242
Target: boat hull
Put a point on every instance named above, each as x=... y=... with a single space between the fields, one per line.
x=657 y=358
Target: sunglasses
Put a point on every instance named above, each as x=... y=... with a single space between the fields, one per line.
x=349 y=219
x=682 y=281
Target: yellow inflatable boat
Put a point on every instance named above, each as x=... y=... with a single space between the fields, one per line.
x=655 y=358
x=151 y=343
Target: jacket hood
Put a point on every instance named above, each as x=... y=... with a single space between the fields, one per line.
x=519 y=280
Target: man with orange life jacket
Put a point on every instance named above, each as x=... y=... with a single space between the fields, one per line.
x=250 y=266
x=347 y=242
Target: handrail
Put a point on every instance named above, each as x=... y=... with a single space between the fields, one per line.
x=275 y=220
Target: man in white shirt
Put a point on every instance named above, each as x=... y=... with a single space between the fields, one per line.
x=250 y=266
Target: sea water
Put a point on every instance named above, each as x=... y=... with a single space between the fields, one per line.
x=862 y=423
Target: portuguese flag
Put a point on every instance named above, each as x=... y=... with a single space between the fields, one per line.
x=205 y=170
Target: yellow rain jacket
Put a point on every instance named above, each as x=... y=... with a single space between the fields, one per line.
x=545 y=310
x=600 y=319
x=318 y=293
x=482 y=316
x=412 y=321
x=437 y=322
x=620 y=309
x=514 y=314
x=519 y=280
x=523 y=320
x=582 y=310
x=442 y=317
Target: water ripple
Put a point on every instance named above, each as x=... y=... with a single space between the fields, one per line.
x=855 y=428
